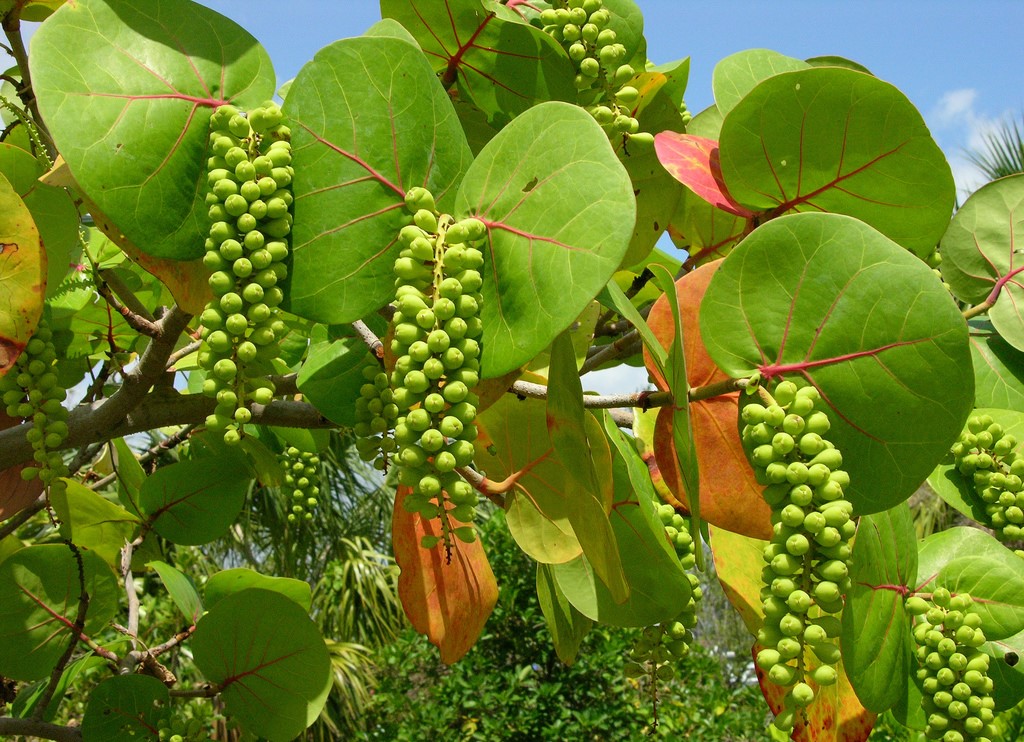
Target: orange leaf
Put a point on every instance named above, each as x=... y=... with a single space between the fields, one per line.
x=15 y=493
x=729 y=495
x=449 y=603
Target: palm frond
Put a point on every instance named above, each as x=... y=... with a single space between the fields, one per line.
x=1002 y=152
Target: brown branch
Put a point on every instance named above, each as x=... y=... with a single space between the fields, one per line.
x=43 y=730
x=12 y=30
x=18 y=520
x=134 y=313
x=369 y=337
x=160 y=408
x=624 y=346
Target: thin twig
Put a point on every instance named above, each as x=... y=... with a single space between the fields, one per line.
x=136 y=321
x=369 y=337
x=179 y=354
x=10 y=728
x=624 y=346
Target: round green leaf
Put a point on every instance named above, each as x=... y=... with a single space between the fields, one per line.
x=23 y=268
x=876 y=640
x=503 y=66
x=39 y=592
x=736 y=75
x=998 y=368
x=981 y=254
x=269 y=660
x=559 y=211
x=832 y=139
x=52 y=210
x=331 y=376
x=230 y=581
x=827 y=300
x=194 y=502
x=124 y=708
x=967 y=560
x=370 y=121
x=134 y=130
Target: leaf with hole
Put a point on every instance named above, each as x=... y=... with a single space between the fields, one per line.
x=547 y=219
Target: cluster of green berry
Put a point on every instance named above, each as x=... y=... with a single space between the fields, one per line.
x=659 y=645
x=602 y=72
x=30 y=390
x=301 y=481
x=985 y=455
x=436 y=345
x=957 y=691
x=807 y=570
x=249 y=175
x=171 y=730
x=376 y=414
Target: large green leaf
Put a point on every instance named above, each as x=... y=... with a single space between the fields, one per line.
x=134 y=130
x=194 y=502
x=331 y=376
x=981 y=257
x=566 y=625
x=230 y=581
x=124 y=708
x=515 y=442
x=827 y=300
x=998 y=368
x=370 y=121
x=876 y=639
x=1006 y=670
x=658 y=586
x=559 y=211
x=39 y=592
x=588 y=492
x=831 y=139
x=736 y=75
x=967 y=560
x=503 y=66
x=269 y=660
x=23 y=268
x=93 y=522
x=52 y=210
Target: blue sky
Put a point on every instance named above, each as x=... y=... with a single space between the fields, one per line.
x=959 y=62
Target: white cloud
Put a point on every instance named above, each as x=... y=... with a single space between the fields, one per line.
x=959 y=125
x=953 y=105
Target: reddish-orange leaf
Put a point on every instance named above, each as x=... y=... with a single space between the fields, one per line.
x=729 y=495
x=694 y=162
x=15 y=493
x=449 y=603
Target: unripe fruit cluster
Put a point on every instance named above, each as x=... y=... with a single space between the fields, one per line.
x=987 y=457
x=249 y=176
x=301 y=481
x=171 y=730
x=30 y=391
x=952 y=670
x=807 y=559
x=376 y=414
x=661 y=644
x=436 y=345
x=602 y=72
